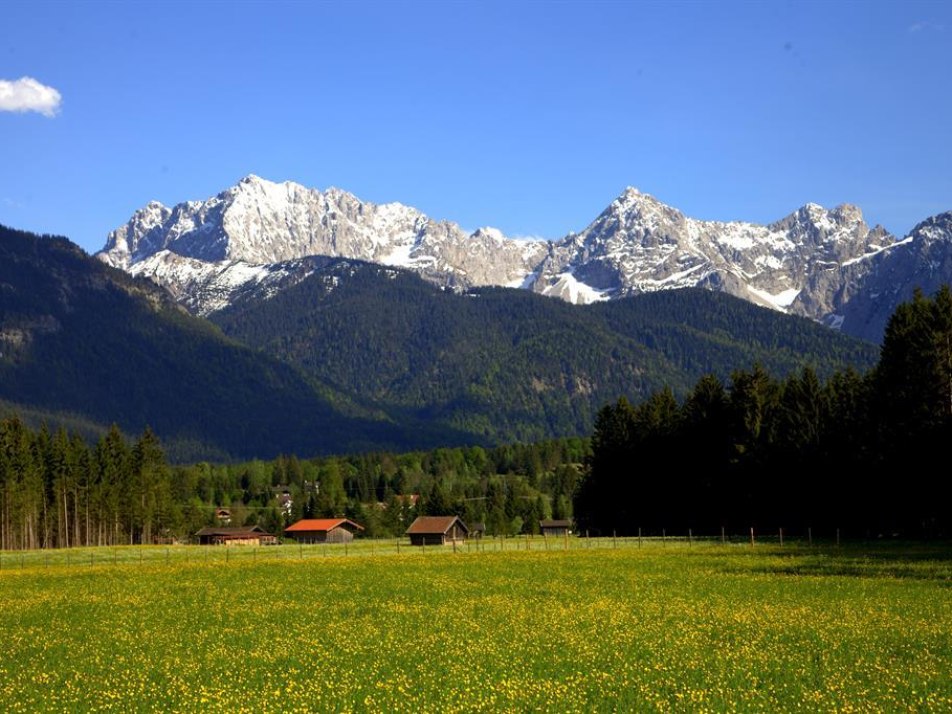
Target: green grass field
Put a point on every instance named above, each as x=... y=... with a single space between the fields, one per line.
x=674 y=627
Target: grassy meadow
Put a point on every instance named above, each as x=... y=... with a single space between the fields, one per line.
x=662 y=627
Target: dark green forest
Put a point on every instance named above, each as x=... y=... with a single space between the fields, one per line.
x=358 y=358
x=58 y=491
x=508 y=365
x=861 y=453
x=83 y=342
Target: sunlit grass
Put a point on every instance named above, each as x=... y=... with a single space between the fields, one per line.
x=662 y=627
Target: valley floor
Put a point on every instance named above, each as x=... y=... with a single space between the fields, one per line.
x=603 y=625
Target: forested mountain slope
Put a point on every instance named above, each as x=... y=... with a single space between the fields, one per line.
x=85 y=340
x=507 y=364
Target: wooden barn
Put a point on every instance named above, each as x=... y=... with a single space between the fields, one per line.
x=437 y=530
x=231 y=535
x=555 y=527
x=323 y=530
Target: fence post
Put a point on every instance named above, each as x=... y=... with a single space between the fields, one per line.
x=781 y=537
x=810 y=536
x=639 y=536
x=614 y=539
x=664 y=537
x=751 y=536
x=723 y=538
x=690 y=537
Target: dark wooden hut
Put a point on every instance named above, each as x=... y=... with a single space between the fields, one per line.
x=555 y=527
x=437 y=530
x=241 y=535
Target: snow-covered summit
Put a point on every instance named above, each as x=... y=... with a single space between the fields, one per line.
x=259 y=222
x=811 y=262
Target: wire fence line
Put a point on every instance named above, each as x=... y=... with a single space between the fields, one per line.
x=217 y=555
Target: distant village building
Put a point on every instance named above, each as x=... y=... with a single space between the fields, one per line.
x=285 y=502
x=223 y=516
x=240 y=535
x=408 y=500
x=323 y=530
x=437 y=530
x=477 y=530
x=555 y=527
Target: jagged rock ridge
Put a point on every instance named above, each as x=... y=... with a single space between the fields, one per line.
x=815 y=262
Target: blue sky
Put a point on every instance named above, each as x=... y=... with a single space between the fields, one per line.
x=530 y=117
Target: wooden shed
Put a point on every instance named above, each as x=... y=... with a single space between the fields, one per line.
x=323 y=530
x=437 y=530
x=555 y=527
x=241 y=535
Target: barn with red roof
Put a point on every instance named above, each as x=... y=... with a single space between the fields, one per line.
x=323 y=530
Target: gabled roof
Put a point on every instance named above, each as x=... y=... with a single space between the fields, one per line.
x=231 y=531
x=434 y=524
x=321 y=524
x=555 y=523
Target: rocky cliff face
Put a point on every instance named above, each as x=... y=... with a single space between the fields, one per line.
x=816 y=262
x=203 y=251
x=640 y=244
x=922 y=260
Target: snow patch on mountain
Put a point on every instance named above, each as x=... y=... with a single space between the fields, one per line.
x=569 y=288
x=781 y=301
x=812 y=262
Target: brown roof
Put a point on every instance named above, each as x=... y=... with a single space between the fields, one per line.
x=233 y=531
x=434 y=524
x=555 y=524
x=321 y=524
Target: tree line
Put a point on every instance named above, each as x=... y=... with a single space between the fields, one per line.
x=859 y=452
x=57 y=490
x=862 y=453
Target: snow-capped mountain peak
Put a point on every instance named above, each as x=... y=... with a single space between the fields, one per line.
x=812 y=262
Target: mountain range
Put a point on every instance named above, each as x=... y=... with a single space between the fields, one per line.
x=347 y=356
x=255 y=239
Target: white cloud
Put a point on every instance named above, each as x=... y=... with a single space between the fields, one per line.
x=923 y=26
x=28 y=95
